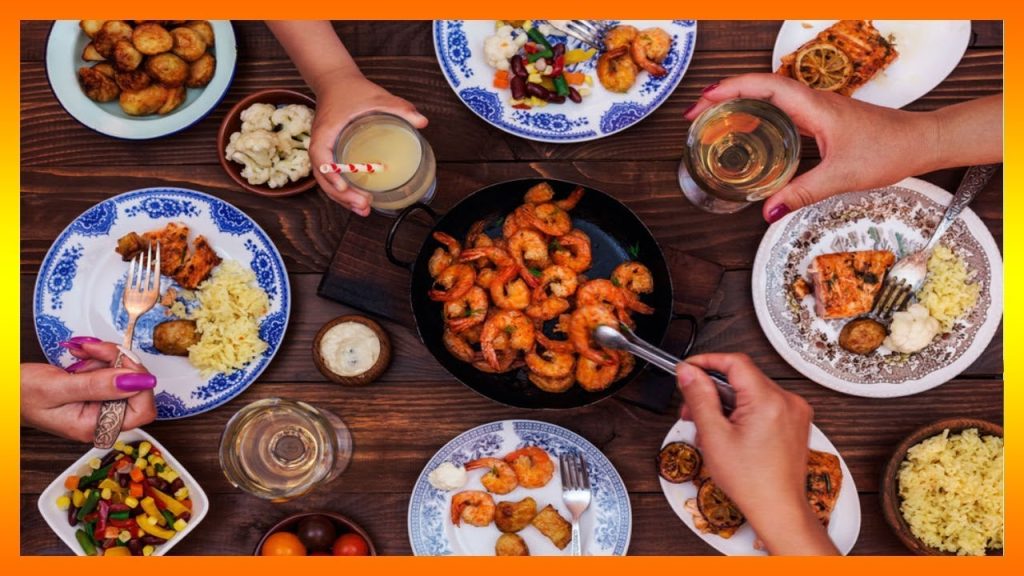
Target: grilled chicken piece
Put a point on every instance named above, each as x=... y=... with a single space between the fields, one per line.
x=175 y=337
x=863 y=44
x=173 y=240
x=847 y=283
x=198 y=266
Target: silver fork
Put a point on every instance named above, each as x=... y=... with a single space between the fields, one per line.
x=141 y=290
x=907 y=276
x=576 y=493
x=590 y=32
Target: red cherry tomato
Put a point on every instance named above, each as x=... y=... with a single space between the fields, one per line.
x=350 y=544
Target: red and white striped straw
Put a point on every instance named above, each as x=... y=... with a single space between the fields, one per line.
x=370 y=168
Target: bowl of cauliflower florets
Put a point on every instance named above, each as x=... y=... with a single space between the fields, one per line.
x=264 y=143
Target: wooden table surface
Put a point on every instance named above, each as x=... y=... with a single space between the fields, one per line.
x=400 y=421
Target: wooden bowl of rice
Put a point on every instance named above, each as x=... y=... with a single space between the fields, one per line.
x=918 y=499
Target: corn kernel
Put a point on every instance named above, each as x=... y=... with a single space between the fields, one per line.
x=180 y=524
x=584 y=91
x=63 y=502
x=147 y=550
x=150 y=471
x=144 y=448
x=119 y=446
x=534 y=78
x=77 y=497
x=124 y=536
x=131 y=501
x=588 y=80
x=105 y=494
x=94 y=463
x=140 y=463
x=527 y=25
x=168 y=474
x=128 y=450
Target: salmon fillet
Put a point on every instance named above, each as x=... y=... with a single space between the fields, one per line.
x=847 y=283
x=824 y=480
x=868 y=50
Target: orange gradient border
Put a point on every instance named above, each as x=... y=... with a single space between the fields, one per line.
x=1012 y=562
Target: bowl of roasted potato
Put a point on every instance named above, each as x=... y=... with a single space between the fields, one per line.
x=140 y=79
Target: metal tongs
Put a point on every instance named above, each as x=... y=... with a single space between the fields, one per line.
x=626 y=339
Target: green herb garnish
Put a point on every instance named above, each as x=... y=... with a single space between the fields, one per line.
x=634 y=250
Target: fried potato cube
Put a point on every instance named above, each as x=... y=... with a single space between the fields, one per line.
x=514 y=516
x=90 y=27
x=109 y=34
x=175 y=97
x=152 y=39
x=175 y=337
x=126 y=57
x=167 y=69
x=133 y=80
x=204 y=29
x=201 y=71
x=188 y=44
x=511 y=545
x=97 y=86
x=143 y=102
x=129 y=245
x=90 y=54
x=551 y=524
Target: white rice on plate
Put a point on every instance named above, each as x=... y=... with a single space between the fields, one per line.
x=948 y=292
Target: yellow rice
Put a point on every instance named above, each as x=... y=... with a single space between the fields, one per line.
x=948 y=292
x=951 y=488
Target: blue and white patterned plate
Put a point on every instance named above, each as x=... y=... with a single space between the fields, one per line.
x=459 y=46
x=605 y=526
x=78 y=291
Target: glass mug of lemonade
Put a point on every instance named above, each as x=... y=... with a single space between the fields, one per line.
x=280 y=449
x=738 y=152
x=408 y=172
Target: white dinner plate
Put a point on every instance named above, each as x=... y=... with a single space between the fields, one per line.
x=460 y=44
x=605 y=526
x=843 y=527
x=898 y=218
x=928 y=51
x=64 y=57
x=81 y=282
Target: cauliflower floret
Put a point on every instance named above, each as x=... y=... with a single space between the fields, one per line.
x=257 y=117
x=286 y=143
x=501 y=47
x=258 y=145
x=293 y=119
x=912 y=330
x=253 y=173
x=295 y=166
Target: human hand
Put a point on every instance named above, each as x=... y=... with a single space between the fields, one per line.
x=339 y=100
x=757 y=455
x=66 y=402
x=862 y=146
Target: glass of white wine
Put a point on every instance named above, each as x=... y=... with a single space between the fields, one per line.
x=281 y=449
x=738 y=152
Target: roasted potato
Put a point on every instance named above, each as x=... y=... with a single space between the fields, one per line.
x=551 y=524
x=90 y=27
x=105 y=68
x=126 y=57
x=175 y=337
x=132 y=80
x=203 y=28
x=188 y=44
x=175 y=97
x=144 y=102
x=108 y=35
x=862 y=336
x=511 y=545
x=167 y=69
x=97 y=86
x=152 y=39
x=90 y=54
x=201 y=71
x=129 y=245
x=514 y=516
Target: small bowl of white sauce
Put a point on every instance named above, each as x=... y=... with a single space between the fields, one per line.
x=352 y=350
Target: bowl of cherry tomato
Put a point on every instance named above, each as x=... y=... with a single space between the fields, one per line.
x=315 y=534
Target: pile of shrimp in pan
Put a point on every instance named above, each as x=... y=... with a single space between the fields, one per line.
x=499 y=293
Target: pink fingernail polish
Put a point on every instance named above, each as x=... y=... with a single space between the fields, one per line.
x=776 y=214
x=135 y=382
x=84 y=340
x=709 y=88
x=70 y=345
x=75 y=367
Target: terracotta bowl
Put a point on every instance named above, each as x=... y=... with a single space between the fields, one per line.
x=233 y=123
x=890 y=483
x=366 y=377
x=342 y=523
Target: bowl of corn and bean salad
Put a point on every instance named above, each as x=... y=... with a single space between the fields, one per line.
x=135 y=499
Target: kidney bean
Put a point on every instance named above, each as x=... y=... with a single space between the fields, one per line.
x=518 y=68
x=72 y=515
x=518 y=87
x=122 y=480
x=178 y=484
x=150 y=539
x=538 y=91
x=556 y=99
x=574 y=95
x=135 y=546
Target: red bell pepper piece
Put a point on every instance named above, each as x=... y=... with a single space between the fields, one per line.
x=104 y=510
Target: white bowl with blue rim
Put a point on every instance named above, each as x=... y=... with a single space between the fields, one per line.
x=459 y=45
x=81 y=281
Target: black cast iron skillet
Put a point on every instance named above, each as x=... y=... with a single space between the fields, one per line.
x=616 y=235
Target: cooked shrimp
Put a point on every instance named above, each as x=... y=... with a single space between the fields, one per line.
x=493 y=254
x=570 y=201
x=572 y=251
x=455 y=280
x=506 y=362
x=549 y=219
x=633 y=303
x=555 y=345
x=485 y=277
x=547 y=308
x=460 y=346
x=550 y=363
x=633 y=276
x=650 y=48
x=442 y=257
x=533 y=466
x=500 y=479
x=616 y=70
x=553 y=385
x=475 y=507
x=626 y=364
x=539 y=194
x=584 y=320
x=556 y=280
x=621 y=35
x=467 y=310
x=601 y=292
x=514 y=326
x=509 y=292
x=530 y=251
x=596 y=376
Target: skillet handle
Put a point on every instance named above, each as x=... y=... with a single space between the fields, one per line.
x=394 y=230
x=725 y=390
x=692 y=321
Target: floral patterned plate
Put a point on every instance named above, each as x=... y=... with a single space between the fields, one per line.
x=460 y=44
x=843 y=526
x=897 y=218
x=605 y=526
x=81 y=281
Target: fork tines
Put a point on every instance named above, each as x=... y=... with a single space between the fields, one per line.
x=574 y=472
x=586 y=31
x=895 y=294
